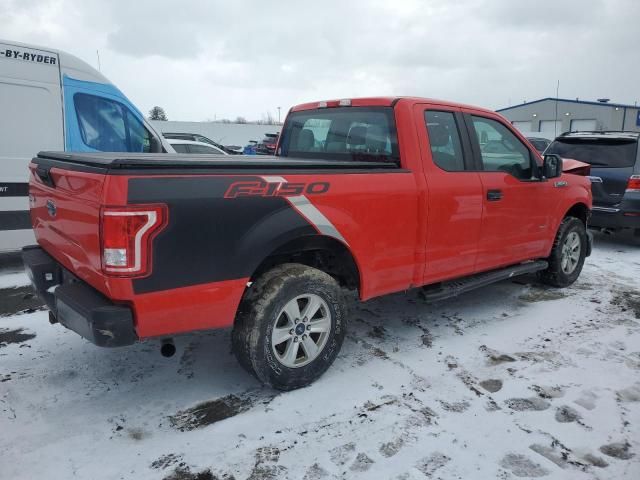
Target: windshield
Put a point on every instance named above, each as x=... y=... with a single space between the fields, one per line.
x=597 y=152
x=346 y=133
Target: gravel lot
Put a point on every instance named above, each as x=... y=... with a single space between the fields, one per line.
x=513 y=380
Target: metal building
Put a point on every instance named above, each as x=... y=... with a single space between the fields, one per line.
x=551 y=116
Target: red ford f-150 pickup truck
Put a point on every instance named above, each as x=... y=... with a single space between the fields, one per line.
x=374 y=195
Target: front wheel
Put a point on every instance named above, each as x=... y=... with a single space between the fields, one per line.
x=290 y=326
x=567 y=255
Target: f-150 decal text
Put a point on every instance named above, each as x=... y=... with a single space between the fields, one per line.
x=275 y=189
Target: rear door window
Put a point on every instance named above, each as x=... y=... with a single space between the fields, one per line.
x=444 y=139
x=109 y=126
x=343 y=133
x=613 y=153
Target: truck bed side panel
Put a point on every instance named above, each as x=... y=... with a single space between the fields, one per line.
x=210 y=238
x=198 y=307
x=65 y=218
x=213 y=242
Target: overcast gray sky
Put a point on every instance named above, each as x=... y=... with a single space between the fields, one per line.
x=201 y=59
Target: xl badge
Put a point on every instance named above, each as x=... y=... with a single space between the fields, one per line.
x=51 y=208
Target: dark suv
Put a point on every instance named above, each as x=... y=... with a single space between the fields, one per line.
x=268 y=144
x=615 y=174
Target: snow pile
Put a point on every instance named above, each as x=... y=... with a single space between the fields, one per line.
x=514 y=380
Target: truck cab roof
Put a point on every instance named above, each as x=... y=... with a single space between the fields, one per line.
x=380 y=102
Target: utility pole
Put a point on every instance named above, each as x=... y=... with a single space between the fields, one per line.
x=555 y=123
x=278 y=114
x=98 y=55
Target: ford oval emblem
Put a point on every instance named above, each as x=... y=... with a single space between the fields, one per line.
x=51 y=208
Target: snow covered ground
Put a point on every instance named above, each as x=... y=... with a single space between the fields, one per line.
x=513 y=380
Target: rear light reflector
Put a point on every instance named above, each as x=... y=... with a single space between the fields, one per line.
x=633 y=185
x=125 y=238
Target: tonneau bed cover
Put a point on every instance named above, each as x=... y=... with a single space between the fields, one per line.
x=127 y=160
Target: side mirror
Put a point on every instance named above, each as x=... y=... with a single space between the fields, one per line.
x=551 y=166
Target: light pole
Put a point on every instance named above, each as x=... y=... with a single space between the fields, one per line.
x=278 y=114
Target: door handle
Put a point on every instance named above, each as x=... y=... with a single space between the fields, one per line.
x=494 y=195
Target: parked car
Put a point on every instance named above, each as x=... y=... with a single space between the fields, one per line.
x=250 y=148
x=615 y=174
x=268 y=144
x=539 y=143
x=190 y=146
x=51 y=100
x=235 y=149
x=268 y=246
x=195 y=137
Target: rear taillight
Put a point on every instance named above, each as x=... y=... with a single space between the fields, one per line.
x=633 y=185
x=125 y=238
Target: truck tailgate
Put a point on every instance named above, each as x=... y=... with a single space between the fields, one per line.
x=65 y=214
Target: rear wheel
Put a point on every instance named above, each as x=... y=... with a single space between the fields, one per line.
x=290 y=326
x=567 y=255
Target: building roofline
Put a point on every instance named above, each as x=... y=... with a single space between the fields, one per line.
x=567 y=100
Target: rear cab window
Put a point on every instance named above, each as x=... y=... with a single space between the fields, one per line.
x=270 y=139
x=598 y=152
x=365 y=134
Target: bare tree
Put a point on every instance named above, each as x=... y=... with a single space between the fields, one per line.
x=158 y=113
x=270 y=119
x=267 y=119
x=240 y=120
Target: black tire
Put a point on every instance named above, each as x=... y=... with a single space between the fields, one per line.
x=259 y=312
x=554 y=275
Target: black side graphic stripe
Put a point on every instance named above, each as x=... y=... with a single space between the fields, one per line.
x=15 y=220
x=210 y=238
x=14 y=189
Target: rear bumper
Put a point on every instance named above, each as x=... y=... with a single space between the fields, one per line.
x=76 y=305
x=606 y=217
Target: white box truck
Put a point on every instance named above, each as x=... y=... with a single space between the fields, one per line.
x=51 y=100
